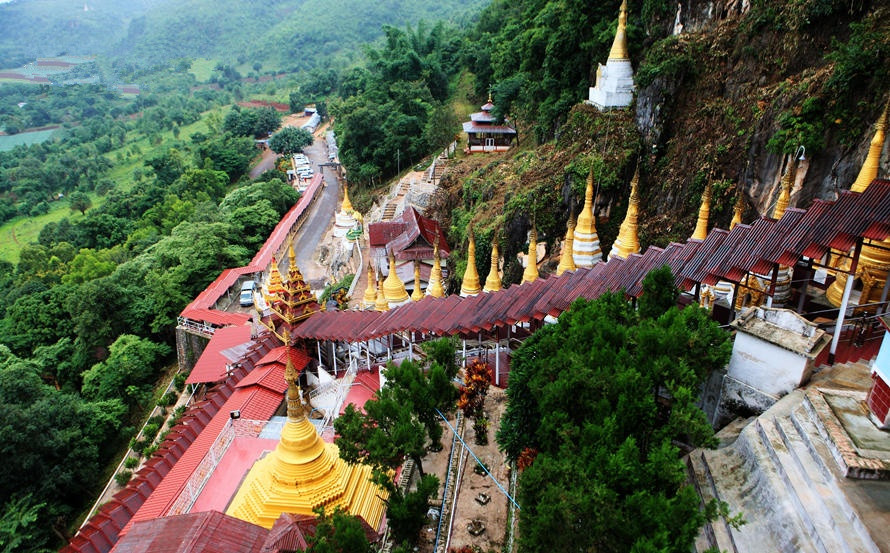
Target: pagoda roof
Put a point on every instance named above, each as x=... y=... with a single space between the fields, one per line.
x=721 y=255
x=409 y=237
x=472 y=126
x=482 y=117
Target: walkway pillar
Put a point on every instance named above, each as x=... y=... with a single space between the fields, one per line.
x=334 y=355
x=497 y=362
x=464 y=342
x=845 y=300
x=318 y=345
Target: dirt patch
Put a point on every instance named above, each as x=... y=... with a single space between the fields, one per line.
x=492 y=514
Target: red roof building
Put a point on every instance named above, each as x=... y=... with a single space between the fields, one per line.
x=483 y=135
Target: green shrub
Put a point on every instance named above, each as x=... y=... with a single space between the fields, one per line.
x=150 y=431
x=138 y=446
x=168 y=399
x=150 y=450
x=131 y=462
x=179 y=381
x=668 y=58
x=123 y=477
x=156 y=420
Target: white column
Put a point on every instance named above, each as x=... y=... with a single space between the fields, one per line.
x=497 y=362
x=368 y=353
x=845 y=300
x=334 y=355
x=464 y=342
x=318 y=345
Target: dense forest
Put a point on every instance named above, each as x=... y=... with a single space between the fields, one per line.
x=142 y=200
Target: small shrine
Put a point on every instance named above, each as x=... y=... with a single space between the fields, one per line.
x=485 y=135
x=614 y=86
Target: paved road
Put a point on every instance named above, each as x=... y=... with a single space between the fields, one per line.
x=321 y=217
x=265 y=164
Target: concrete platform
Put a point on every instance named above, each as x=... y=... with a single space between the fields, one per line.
x=785 y=472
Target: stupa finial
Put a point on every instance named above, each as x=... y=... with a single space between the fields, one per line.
x=619 y=45
x=704 y=213
x=870 y=166
x=628 y=241
x=531 y=269
x=493 y=281
x=470 y=284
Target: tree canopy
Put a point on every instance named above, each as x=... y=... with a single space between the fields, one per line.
x=290 y=140
x=597 y=404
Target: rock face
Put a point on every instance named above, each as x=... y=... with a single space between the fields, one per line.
x=738 y=83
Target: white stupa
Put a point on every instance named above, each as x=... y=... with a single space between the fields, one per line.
x=614 y=86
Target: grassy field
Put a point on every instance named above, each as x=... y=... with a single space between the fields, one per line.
x=20 y=231
x=202 y=69
x=8 y=142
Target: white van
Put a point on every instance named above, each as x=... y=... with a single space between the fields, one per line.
x=247 y=289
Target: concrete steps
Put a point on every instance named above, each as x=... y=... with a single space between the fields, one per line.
x=780 y=475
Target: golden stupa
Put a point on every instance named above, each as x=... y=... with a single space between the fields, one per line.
x=531 y=269
x=874 y=259
x=393 y=288
x=434 y=288
x=470 y=285
x=493 y=281
x=346 y=206
x=704 y=213
x=370 y=297
x=566 y=262
x=380 y=304
x=628 y=241
x=303 y=473
x=738 y=210
x=417 y=294
x=619 y=44
x=586 y=246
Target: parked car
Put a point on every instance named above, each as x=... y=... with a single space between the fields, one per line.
x=247 y=289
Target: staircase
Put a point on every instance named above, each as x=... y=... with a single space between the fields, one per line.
x=782 y=477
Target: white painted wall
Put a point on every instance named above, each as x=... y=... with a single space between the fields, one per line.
x=766 y=367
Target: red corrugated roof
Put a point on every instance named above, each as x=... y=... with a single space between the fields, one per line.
x=722 y=254
x=205 y=532
x=211 y=366
x=253 y=402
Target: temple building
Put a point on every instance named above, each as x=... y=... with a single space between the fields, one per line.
x=628 y=241
x=485 y=135
x=410 y=237
x=614 y=87
x=586 y=245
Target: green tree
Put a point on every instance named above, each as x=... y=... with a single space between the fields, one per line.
x=659 y=293
x=338 y=532
x=79 y=201
x=18 y=528
x=290 y=140
x=610 y=460
x=132 y=362
x=406 y=511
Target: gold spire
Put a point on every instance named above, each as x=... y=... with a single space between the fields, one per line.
x=586 y=219
x=566 y=261
x=493 y=282
x=704 y=212
x=785 y=192
x=628 y=241
x=380 y=304
x=869 y=171
x=470 y=285
x=619 y=45
x=434 y=288
x=393 y=287
x=292 y=303
x=370 y=297
x=489 y=96
x=417 y=294
x=738 y=210
x=274 y=285
x=531 y=269
x=586 y=245
x=347 y=205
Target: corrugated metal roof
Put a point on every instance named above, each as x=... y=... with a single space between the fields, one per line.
x=211 y=366
x=205 y=532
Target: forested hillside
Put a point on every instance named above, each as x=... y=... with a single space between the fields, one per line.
x=280 y=35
